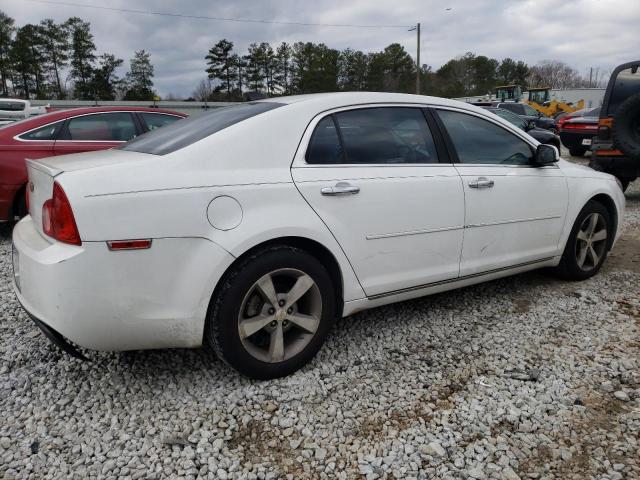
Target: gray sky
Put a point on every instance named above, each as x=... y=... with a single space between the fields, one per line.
x=582 y=33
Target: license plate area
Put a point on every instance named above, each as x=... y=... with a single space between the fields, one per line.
x=586 y=142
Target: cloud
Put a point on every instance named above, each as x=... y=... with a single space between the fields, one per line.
x=582 y=33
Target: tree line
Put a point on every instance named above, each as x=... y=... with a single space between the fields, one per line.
x=59 y=60
x=306 y=67
x=53 y=60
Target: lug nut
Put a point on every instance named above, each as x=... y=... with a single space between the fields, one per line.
x=290 y=310
x=285 y=323
x=273 y=323
x=281 y=303
x=272 y=311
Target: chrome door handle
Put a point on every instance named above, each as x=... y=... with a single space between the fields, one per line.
x=481 y=182
x=340 y=188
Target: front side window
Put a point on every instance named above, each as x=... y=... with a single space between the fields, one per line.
x=479 y=141
x=157 y=120
x=380 y=135
x=48 y=132
x=101 y=127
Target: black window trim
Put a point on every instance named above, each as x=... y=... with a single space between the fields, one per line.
x=442 y=153
x=516 y=133
x=65 y=128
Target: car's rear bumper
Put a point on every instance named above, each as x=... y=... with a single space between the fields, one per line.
x=118 y=300
x=574 y=139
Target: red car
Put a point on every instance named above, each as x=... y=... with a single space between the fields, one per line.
x=62 y=132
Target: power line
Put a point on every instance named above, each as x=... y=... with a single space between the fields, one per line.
x=217 y=19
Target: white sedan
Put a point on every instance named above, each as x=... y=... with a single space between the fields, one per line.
x=253 y=227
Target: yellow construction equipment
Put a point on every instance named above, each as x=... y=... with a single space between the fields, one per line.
x=540 y=99
x=509 y=92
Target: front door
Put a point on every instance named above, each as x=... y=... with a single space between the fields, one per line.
x=373 y=176
x=515 y=211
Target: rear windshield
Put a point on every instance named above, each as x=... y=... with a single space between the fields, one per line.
x=11 y=106
x=186 y=132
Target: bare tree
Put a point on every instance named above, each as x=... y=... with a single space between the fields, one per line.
x=203 y=90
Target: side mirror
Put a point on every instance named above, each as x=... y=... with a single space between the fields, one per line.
x=531 y=124
x=545 y=155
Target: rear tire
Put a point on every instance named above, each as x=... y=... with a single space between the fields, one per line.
x=587 y=245
x=262 y=340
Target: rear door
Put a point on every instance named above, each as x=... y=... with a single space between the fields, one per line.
x=96 y=131
x=381 y=182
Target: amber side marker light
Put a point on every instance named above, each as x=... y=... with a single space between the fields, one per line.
x=129 y=244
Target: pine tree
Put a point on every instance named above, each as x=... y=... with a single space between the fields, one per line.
x=55 y=47
x=105 y=82
x=140 y=78
x=220 y=63
x=7 y=29
x=82 y=56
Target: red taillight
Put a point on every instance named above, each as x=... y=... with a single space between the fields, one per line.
x=580 y=126
x=57 y=218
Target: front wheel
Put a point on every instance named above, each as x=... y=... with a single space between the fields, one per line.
x=587 y=245
x=272 y=313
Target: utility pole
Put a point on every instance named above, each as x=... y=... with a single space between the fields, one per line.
x=417 y=29
x=418 y=61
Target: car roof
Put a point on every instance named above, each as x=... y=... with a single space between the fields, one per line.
x=62 y=114
x=331 y=100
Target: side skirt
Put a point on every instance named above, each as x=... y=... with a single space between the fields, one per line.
x=444 y=285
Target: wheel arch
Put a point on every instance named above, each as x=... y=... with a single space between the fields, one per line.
x=610 y=205
x=313 y=247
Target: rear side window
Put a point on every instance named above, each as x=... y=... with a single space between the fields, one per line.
x=157 y=120
x=186 y=132
x=325 y=145
x=48 y=132
x=478 y=141
x=100 y=127
x=381 y=135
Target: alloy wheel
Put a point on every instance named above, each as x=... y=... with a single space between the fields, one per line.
x=279 y=315
x=591 y=241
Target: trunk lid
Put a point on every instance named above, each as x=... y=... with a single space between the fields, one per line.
x=40 y=189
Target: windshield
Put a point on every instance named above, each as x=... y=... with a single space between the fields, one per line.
x=186 y=132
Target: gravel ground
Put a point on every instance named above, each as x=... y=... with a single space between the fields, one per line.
x=526 y=377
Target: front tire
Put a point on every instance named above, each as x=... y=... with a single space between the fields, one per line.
x=588 y=243
x=272 y=312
